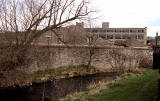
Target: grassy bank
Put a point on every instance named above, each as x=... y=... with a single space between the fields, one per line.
x=14 y=78
x=131 y=88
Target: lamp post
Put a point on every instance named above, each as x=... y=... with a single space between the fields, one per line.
x=158 y=53
x=156 y=61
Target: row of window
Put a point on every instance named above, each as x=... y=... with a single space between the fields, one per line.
x=115 y=31
x=122 y=36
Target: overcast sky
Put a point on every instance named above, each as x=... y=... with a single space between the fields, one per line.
x=130 y=13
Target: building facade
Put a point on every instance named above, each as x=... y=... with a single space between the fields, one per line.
x=76 y=34
x=114 y=34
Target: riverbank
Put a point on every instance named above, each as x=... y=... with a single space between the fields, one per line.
x=143 y=87
x=14 y=78
x=55 y=89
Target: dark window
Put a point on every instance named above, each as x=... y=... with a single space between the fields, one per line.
x=109 y=36
x=135 y=31
x=140 y=37
x=134 y=36
x=102 y=30
x=117 y=36
x=95 y=31
x=118 y=31
x=110 y=30
x=141 y=31
x=125 y=31
x=125 y=36
x=102 y=36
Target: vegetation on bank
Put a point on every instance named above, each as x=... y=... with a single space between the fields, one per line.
x=15 y=78
x=128 y=88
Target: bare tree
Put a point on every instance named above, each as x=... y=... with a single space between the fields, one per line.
x=82 y=36
x=91 y=42
x=24 y=21
x=117 y=60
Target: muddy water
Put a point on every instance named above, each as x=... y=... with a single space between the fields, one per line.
x=54 y=89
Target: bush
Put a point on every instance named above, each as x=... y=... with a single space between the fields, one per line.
x=146 y=63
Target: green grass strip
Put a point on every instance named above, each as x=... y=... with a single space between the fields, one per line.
x=132 y=88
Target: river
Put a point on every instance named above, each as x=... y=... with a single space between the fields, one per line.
x=55 y=89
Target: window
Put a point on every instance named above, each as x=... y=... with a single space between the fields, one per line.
x=141 y=31
x=109 y=36
x=125 y=36
x=95 y=31
x=103 y=31
x=133 y=31
x=111 y=30
x=125 y=31
x=118 y=31
x=117 y=36
x=134 y=36
x=102 y=36
x=108 y=30
x=140 y=37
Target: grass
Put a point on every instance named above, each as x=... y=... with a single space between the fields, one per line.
x=61 y=72
x=131 y=88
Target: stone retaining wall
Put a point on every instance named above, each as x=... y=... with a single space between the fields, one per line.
x=103 y=58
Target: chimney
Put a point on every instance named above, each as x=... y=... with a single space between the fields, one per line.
x=105 y=24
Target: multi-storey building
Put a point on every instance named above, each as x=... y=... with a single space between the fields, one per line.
x=79 y=35
x=75 y=34
x=113 y=34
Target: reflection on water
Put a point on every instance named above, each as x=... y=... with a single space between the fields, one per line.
x=54 y=89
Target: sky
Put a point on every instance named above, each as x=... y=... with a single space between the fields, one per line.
x=130 y=13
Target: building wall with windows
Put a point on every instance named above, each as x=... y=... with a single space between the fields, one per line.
x=139 y=34
x=77 y=34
